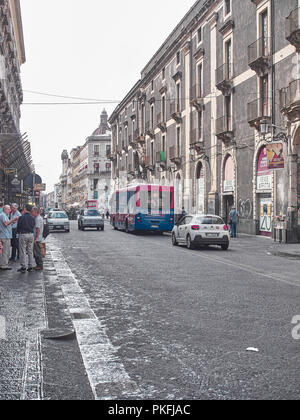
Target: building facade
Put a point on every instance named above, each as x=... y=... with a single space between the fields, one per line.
x=86 y=173
x=216 y=113
x=15 y=152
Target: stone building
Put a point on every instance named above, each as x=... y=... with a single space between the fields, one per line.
x=15 y=152
x=212 y=102
x=86 y=174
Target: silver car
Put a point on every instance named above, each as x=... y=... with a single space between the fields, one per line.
x=58 y=221
x=199 y=230
x=90 y=219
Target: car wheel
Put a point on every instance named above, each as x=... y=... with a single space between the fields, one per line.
x=189 y=242
x=102 y=228
x=174 y=241
x=79 y=227
x=82 y=228
x=225 y=247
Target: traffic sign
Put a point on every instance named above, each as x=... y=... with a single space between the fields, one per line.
x=40 y=187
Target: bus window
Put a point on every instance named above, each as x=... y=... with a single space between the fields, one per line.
x=166 y=202
x=131 y=202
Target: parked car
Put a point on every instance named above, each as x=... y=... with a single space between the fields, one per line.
x=90 y=219
x=58 y=220
x=199 y=229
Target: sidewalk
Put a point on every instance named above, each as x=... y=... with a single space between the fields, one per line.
x=34 y=367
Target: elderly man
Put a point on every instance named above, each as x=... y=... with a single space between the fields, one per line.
x=15 y=240
x=25 y=229
x=6 y=237
x=38 y=238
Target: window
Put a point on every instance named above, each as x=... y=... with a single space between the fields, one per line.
x=178 y=107
x=178 y=142
x=200 y=120
x=152 y=116
x=264 y=32
x=96 y=150
x=143 y=119
x=228 y=113
x=264 y=95
x=108 y=167
x=164 y=73
x=96 y=168
x=163 y=143
x=199 y=76
x=163 y=108
x=152 y=153
x=133 y=105
x=178 y=58
x=228 y=58
x=199 y=35
x=152 y=86
x=227 y=7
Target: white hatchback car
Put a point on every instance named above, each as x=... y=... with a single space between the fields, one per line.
x=199 y=229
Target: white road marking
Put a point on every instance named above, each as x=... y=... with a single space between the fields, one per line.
x=99 y=355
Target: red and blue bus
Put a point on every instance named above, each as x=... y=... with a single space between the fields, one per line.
x=143 y=208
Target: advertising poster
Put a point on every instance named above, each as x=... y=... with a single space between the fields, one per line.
x=265 y=222
x=264 y=174
x=275 y=156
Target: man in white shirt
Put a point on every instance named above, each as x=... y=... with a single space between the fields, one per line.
x=38 y=238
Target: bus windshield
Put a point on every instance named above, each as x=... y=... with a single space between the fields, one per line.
x=156 y=201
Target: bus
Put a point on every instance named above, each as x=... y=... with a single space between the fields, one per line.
x=143 y=208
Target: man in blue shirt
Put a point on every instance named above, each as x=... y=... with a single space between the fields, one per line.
x=6 y=236
x=234 y=219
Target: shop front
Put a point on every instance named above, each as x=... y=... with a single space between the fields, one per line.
x=264 y=194
x=228 y=187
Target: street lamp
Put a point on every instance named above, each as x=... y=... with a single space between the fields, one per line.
x=267 y=128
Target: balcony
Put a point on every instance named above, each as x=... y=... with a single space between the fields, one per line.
x=125 y=146
x=150 y=130
x=196 y=141
x=290 y=101
x=224 y=76
x=161 y=158
x=149 y=163
x=175 y=111
x=292 y=29
x=259 y=54
x=174 y=155
x=138 y=136
x=257 y=111
x=161 y=122
x=224 y=130
x=196 y=98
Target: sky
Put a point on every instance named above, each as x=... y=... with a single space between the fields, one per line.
x=91 y=49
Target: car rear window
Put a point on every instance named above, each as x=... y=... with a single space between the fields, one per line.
x=92 y=213
x=58 y=216
x=209 y=220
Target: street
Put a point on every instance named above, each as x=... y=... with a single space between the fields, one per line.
x=160 y=322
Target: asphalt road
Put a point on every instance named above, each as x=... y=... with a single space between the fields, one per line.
x=175 y=324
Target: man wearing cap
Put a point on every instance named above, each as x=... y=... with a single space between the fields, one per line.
x=15 y=239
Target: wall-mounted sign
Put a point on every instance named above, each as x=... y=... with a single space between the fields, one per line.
x=228 y=186
x=275 y=156
x=264 y=182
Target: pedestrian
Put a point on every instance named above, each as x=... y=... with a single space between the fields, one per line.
x=38 y=239
x=233 y=220
x=15 y=238
x=1 y=208
x=5 y=237
x=25 y=229
x=107 y=214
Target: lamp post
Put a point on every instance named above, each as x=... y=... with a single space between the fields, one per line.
x=267 y=128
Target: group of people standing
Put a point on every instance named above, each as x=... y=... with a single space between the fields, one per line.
x=21 y=237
